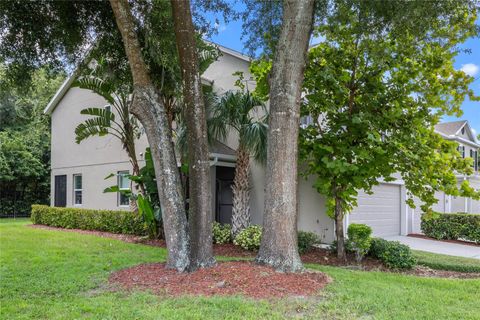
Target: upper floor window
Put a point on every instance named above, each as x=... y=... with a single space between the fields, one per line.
x=306 y=121
x=463 y=130
x=77 y=189
x=123 y=185
x=474 y=155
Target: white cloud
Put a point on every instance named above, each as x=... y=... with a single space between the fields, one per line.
x=220 y=27
x=470 y=69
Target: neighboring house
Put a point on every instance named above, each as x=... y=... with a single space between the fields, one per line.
x=468 y=146
x=78 y=170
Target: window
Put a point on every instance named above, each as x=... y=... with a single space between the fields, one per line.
x=306 y=121
x=475 y=160
x=77 y=189
x=461 y=149
x=123 y=185
x=474 y=156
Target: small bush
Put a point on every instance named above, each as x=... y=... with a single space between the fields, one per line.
x=348 y=246
x=306 y=241
x=222 y=233
x=452 y=226
x=392 y=253
x=360 y=238
x=124 y=222
x=249 y=238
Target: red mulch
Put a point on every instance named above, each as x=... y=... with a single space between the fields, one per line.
x=422 y=236
x=329 y=258
x=226 y=278
x=231 y=250
x=317 y=255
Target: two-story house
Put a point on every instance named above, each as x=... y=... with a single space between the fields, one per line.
x=78 y=170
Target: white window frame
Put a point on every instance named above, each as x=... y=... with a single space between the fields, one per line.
x=75 y=190
x=119 y=195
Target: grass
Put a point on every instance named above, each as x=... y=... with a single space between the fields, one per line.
x=444 y=262
x=62 y=275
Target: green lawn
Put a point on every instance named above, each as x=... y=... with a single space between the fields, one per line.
x=62 y=275
x=444 y=262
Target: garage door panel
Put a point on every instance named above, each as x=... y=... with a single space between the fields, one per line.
x=365 y=209
x=380 y=210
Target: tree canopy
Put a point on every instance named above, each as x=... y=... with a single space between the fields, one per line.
x=374 y=89
x=25 y=141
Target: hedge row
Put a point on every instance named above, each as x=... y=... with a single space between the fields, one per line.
x=452 y=226
x=124 y=222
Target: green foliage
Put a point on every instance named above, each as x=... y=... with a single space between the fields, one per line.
x=25 y=142
x=306 y=241
x=124 y=222
x=249 y=238
x=375 y=88
x=452 y=226
x=222 y=233
x=360 y=237
x=102 y=121
x=260 y=69
x=237 y=111
x=392 y=253
x=445 y=262
x=148 y=204
x=146 y=210
x=348 y=246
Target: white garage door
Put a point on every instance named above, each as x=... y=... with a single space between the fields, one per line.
x=381 y=210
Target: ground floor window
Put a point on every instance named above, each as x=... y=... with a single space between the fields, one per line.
x=77 y=189
x=123 y=185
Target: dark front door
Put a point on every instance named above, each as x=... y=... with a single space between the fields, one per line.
x=60 y=191
x=224 y=195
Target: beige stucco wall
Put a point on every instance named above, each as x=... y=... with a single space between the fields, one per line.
x=97 y=157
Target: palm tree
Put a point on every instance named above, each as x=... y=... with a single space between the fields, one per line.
x=103 y=121
x=236 y=110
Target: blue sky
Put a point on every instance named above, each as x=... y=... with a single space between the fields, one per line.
x=229 y=35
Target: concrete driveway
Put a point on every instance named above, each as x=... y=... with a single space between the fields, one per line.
x=451 y=249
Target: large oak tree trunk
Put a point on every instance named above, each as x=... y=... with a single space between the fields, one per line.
x=151 y=113
x=279 y=241
x=241 y=192
x=200 y=205
x=339 y=232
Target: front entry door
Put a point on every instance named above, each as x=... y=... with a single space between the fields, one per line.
x=224 y=195
x=60 y=199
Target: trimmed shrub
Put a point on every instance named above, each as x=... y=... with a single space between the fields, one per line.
x=249 y=238
x=360 y=238
x=392 y=253
x=348 y=246
x=306 y=241
x=222 y=233
x=124 y=222
x=452 y=226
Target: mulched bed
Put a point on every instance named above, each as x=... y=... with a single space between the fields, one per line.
x=317 y=255
x=226 y=278
x=422 y=236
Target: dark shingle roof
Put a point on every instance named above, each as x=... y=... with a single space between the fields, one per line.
x=220 y=148
x=450 y=128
